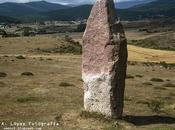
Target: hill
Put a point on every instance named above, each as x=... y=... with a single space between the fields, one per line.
x=75 y=13
x=152 y=10
x=22 y=9
x=129 y=4
x=158 y=42
x=5 y=19
x=41 y=11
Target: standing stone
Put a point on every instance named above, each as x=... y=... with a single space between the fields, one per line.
x=104 y=61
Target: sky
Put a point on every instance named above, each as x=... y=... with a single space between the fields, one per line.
x=56 y=1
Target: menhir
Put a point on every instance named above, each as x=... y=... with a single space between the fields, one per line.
x=104 y=61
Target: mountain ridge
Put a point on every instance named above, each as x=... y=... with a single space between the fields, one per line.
x=20 y=9
x=153 y=10
x=129 y=4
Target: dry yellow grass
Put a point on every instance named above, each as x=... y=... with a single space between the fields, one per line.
x=42 y=97
x=23 y=46
x=150 y=55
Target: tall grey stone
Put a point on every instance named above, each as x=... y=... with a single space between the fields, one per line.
x=104 y=61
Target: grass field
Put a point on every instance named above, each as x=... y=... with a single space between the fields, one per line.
x=53 y=91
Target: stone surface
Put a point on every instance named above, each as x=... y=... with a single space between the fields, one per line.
x=104 y=61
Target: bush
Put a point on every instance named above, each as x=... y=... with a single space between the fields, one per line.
x=155 y=105
x=164 y=64
x=69 y=46
x=27 y=74
x=3 y=75
x=26 y=32
x=129 y=76
x=169 y=85
x=74 y=48
x=65 y=84
x=10 y=35
x=160 y=88
x=147 y=83
x=2 y=32
x=157 y=80
x=20 y=57
x=28 y=99
x=139 y=76
x=81 y=27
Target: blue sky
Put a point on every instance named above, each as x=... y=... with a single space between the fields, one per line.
x=56 y=1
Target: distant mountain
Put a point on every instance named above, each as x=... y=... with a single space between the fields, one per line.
x=155 y=6
x=155 y=9
x=22 y=9
x=152 y=10
x=129 y=4
x=74 y=13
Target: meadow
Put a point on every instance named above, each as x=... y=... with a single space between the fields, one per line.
x=47 y=86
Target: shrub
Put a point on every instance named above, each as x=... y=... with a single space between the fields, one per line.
x=2 y=84
x=3 y=74
x=147 y=83
x=160 y=88
x=26 y=32
x=74 y=48
x=27 y=99
x=164 y=64
x=169 y=85
x=65 y=84
x=2 y=32
x=81 y=27
x=157 y=80
x=69 y=46
x=155 y=105
x=27 y=74
x=127 y=98
x=129 y=76
x=20 y=57
x=139 y=76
